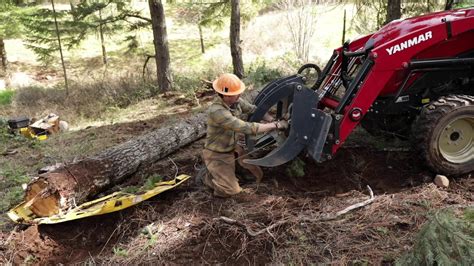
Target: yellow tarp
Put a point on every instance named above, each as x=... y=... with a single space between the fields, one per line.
x=110 y=203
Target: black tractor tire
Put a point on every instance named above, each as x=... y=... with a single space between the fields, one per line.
x=443 y=132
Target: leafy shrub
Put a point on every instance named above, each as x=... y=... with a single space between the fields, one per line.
x=259 y=73
x=6 y=97
x=296 y=168
x=187 y=82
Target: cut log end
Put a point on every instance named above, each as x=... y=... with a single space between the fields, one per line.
x=40 y=200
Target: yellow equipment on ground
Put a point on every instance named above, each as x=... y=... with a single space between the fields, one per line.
x=111 y=203
x=29 y=133
x=39 y=129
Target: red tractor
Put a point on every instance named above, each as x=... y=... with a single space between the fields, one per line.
x=414 y=78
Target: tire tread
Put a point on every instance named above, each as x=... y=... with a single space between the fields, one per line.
x=427 y=120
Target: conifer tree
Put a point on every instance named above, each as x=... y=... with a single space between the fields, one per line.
x=106 y=17
x=215 y=14
x=444 y=240
x=42 y=36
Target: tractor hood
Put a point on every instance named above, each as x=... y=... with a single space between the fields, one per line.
x=402 y=27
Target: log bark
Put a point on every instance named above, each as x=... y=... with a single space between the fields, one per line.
x=75 y=183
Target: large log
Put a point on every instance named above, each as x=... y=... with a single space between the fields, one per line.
x=74 y=183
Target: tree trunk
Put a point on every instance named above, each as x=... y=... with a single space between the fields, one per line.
x=160 y=40
x=102 y=42
x=60 y=48
x=394 y=10
x=235 y=48
x=201 y=39
x=3 y=56
x=73 y=184
x=448 y=5
x=344 y=28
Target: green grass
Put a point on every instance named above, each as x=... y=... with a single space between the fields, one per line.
x=11 y=192
x=6 y=97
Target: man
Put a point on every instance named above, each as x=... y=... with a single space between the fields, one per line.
x=224 y=121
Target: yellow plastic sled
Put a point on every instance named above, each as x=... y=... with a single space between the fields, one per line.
x=111 y=203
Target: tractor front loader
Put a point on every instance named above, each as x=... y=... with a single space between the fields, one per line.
x=414 y=79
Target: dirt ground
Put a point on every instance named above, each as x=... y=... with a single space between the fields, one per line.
x=282 y=220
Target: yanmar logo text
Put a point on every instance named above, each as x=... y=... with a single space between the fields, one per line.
x=409 y=43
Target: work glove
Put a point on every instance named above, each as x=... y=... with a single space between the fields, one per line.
x=281 y=125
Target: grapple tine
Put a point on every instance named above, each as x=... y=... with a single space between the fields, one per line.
x=304 y=106
x=271 y=95
x=284 y=153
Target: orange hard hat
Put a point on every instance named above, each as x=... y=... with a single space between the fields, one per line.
x=228 y=84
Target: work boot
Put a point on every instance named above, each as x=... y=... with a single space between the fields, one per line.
x=203 y=179
x=245 y=178
x=244 y=174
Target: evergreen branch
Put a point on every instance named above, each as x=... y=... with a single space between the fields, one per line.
x=139 y=17
x=455 y=233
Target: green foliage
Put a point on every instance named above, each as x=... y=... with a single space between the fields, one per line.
x=215 y=13
x=12 y=140
x=469 y=215
x=296 y=168
x=118 y=251
x=463 y=3
x=444 y=240
x=90 y=17
x=371 y=14
x=109 y=17
x=152 y=238
x=130 y=189
x=6 y=97
x=42 y=36
x=11 y=180
x=151 y=181
x=260 y=73
x=416 y=8
x=10 y=14
x=188 y=83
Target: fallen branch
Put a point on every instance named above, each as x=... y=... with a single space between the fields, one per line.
x=249 y=230
x=352 y=207
x=299 y=219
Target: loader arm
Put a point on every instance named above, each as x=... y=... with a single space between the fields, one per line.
x=386 y=64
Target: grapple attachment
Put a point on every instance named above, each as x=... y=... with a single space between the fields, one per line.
x=308 y=126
